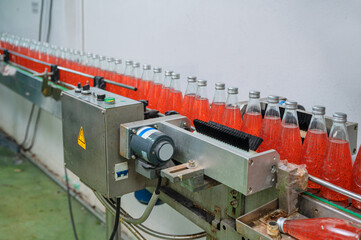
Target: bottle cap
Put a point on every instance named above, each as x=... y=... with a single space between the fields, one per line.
x=254 y=94
x=128 y=62
x=273 y=99
x=168 y=73
x=220 y=86
x=110 y=59
x=175 y=76
x=291 y=105
x=157 y=69
x=339 y=117
x=280 y=223
x=318 y=110
x=232 y=90
x=118 y=61
x=191 y=79
x=102 y=58
x=89 y=54
x=202 y=83
x=146 y=67
x=95 y=56
x=136 y=64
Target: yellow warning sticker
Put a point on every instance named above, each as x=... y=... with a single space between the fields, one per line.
x=81 y=139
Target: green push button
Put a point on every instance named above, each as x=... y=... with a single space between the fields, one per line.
x=109 y=100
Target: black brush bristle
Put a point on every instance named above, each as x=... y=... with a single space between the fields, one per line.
x=222 y=133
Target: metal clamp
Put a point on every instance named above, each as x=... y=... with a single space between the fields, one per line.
x=46 y=89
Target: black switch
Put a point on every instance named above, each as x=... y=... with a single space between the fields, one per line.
x=100 y=97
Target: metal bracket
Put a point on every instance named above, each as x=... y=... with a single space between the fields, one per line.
x=46 y=89
x=55 y=73
x=6 y=56
x=99 y=82
x=216 y=223
x=234 y=208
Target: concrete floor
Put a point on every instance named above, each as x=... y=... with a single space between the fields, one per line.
x=33 y=207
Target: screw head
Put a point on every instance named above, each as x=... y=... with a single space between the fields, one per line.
x=191 y=163
x=134 y=131
x=134 y=157
x=156 y=126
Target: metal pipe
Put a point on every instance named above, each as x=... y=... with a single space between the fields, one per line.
x=335 y=188
x=29 y=58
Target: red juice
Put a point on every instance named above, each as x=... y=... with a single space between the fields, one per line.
x=132 y=82
x=187 y=105
x=337 y=168
x=289 y=143
x=175 y=99
x=201 y=109
x=216 y=113
x=269 y=133
x=356 y=179
x=313 y=153
x=322 y=228
x=163 y=99
x=232 y=117
x=252 y=123
x=153 y=96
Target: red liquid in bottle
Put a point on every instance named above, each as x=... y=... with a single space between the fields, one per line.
x=313 y=153
x=217 y=109
x=269 y=133
x=337 y=168
x=201 y=109
x=232 y=117
x=356 y=179
x=154 y=92
x=289 y=143
x=187 y=105
x=163 y=99
x=322 y=229
x=252 y=123
x=175 y=100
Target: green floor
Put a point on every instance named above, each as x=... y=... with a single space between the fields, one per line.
x=32 y=206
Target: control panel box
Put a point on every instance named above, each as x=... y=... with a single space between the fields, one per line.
x=91 y=128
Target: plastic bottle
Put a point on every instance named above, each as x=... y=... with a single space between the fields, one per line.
x=127 y=75
x=356 y=179
x=271 y=124
x=145 y=81
x=232 y=116
x=337 y=164
x=135 y=80
x=252 y=119
x=189 y=97
x=164 y=92
x=201 y=107
x=155 y=88
x=320 y=229
x=218 y=103
x=175 y=96
x=314 y=146
x=289 y=144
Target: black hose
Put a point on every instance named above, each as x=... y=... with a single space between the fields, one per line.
x=28 y=126
x=69 y=204
x=116 y=223
x=41 y=19
x=50 y=18
x=157 y=189
x=25 y=149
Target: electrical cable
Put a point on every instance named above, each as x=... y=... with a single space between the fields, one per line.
x=69 y=204
x=34 y=133
x=28 y=126
x=50 y=19
x=116 y=223
x=41 y=19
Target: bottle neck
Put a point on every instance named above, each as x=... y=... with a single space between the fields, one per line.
x=167 y=81
x=119 y=68
x=147 y=75
x=253 y=106
x=201 y=92
x=136 y=73
x=317 y=123
x=290 y=117
x=272 y=110
x=128 y=70
x=191 y=88
x=232 y=100
x=175 y=85
x=157 y=78
x=339 y=131
x=219 y=96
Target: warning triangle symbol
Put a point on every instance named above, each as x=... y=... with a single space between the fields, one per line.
x=81 y=139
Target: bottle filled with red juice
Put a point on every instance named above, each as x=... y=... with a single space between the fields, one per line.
x=146 y=80
x=201 y=108
x=232 y=116
x=219 y=103
x=127 y=75
x=252 y=119
x=135 y=80
x=289 y=143
x=315 y=144
x=118 y=77
x=337 y=164
x=95 y=65
x=175 y=96
x=356 y=179
x=164 y=92
x=155 y=88
x=271 y=124
x=103 y=65
x=320 y=228
x=109 y=73
x=189 y=97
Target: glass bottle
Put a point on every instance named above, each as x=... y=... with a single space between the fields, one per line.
x=103 y=66
x=252 y=119
x=145 y=81
x=218 y=103
x=289 y=143
x=175 y=96
x=154 y=88
x=337 y=164
x=201 y=107
x=118 y=77
x=320 y=228
x=164 y=92
x=95 y=65
x=356 y=179
x=134 y=80
x=232 y=116
x=189 y=97
x=271 y=124
x=314 y=146
x=127 y=75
